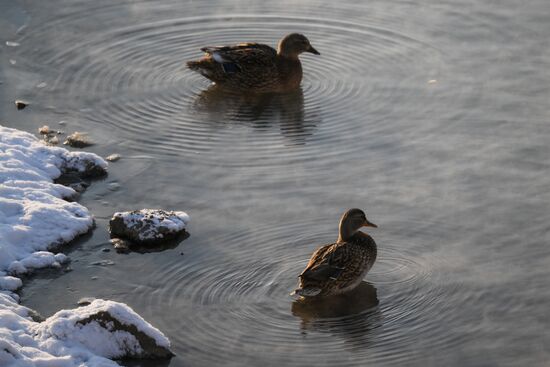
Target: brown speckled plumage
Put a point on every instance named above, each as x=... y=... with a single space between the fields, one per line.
x=341 y=266
x=255 y=67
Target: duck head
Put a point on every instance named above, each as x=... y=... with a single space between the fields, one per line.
x=294 y=44
x=351 y=222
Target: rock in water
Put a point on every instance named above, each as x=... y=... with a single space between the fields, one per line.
x=148 y=226
x=20 y=104
x=113 y=157
x=77 y=140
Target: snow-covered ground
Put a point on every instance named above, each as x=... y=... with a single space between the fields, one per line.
x=34 y=214
x=34 y=217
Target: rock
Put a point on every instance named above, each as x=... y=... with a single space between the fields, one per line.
x=105 y=328
x=85 y=301
x=149 y=347
x=120 y=245
x=113 y=186
x=103 y=263
x=86 y=166
x=113 y=157
x=20 y=104
x=73 y=180
x=44 y=130
x=50 y=136
x=148 y=226
x=77 y=140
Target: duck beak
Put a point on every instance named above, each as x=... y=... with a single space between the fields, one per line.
x=312 y=50
x=369 y=224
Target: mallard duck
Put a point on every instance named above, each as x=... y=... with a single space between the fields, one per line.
x=254 y=66
x=340 y=267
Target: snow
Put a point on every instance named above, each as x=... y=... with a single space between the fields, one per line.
x=64 y=340
x=34 y=216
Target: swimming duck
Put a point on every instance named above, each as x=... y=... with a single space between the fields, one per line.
x=254 y=66
x=340 y=267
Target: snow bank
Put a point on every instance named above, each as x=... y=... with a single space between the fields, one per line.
x=75 y=337
x=33 y=213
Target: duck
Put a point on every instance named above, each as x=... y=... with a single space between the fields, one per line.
x=255 y=67
x=340 y=267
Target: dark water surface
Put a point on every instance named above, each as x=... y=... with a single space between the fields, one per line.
x=432 y=116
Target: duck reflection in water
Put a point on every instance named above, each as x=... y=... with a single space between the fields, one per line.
x=260 y=110
x=352 y=316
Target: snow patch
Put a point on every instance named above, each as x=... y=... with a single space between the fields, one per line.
x=34 y=214
x=66 y=339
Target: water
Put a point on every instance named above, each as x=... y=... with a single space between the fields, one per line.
x=430 y=116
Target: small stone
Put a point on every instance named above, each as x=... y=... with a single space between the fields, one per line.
x=105 y=249
x=42 y=85
x=73 y=180
x=77 y=140
x=85 y=301
x=12 y=44
x=13 y=62
x=120 y=245
x=93 y=278
x=113 y=157
x=114 y=186
x=432 y=81
x=20 y=104
x=44 y=130
x=103 y=263
x=62 y=122
x=53 y=140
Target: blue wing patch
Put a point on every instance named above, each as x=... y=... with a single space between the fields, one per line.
x=230 y=67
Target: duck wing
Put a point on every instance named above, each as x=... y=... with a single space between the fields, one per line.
x=235 y=58
x=328 y=262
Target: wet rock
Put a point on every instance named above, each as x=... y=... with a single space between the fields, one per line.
x=114 y=186
x=113 y=157
x=74 y=181
x=87 y=166
x=103 y=263
x=85 y=301
x=35 y=316
x=121 y=246
x=148 y=226
x=77 y=140
x=50 y=136
x=20 y=104
x=44 y=130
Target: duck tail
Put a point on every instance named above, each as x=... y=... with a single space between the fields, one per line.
x=194 y=65
x=206 y=68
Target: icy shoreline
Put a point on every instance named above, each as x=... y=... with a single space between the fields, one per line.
x=35 y=217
